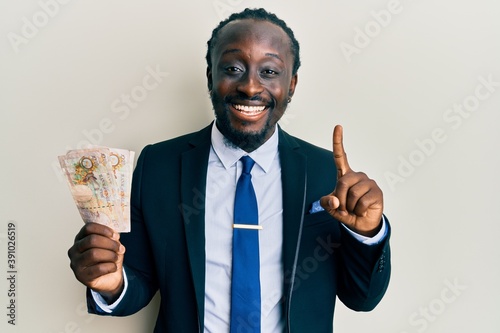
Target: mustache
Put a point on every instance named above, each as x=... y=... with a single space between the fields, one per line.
x=243 y=98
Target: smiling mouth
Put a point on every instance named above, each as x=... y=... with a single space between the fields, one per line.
x=249 y=110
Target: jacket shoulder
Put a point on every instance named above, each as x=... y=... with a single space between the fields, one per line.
x=166 y=155
x=182 y=143
x=313 y=152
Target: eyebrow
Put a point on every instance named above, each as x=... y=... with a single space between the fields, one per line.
x=231 y=51
x=273 y=55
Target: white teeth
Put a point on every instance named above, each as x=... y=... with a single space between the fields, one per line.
x=252 y=109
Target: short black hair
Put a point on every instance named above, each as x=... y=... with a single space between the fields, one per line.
x=256 y=14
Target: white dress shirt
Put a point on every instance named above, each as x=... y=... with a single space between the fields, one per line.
x=223 y=172
x=224 y=169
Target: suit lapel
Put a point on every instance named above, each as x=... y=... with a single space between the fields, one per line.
x=193 y=184
x=293 y=174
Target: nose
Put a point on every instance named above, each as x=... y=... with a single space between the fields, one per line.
x=250 y=84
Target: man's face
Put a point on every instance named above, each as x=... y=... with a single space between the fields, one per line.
x=250 y=81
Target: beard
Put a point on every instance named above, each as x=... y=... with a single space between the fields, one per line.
x=248 y=141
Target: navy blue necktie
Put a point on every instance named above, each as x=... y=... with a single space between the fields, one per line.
x=245 y=285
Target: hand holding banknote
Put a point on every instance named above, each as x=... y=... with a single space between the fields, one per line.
x=97 y=260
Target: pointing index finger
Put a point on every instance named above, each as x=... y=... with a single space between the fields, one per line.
x=339 y=154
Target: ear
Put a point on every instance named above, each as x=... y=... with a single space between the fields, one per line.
x=209 y=79
x=293 y=84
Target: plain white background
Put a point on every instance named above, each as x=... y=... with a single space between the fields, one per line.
x=395 y=74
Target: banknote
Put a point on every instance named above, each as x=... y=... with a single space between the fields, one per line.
x=122 y=163
x=99 y=179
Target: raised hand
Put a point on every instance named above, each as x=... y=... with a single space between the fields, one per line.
x=97 y=258
x=356 y=201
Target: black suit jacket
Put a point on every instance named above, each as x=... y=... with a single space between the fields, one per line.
x=166 y=248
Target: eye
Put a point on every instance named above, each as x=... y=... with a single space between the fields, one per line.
x=270 y=72
x=232 y=69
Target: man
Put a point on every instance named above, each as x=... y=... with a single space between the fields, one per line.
x=313 y=244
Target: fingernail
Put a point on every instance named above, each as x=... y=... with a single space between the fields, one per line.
x=121 y=250
x=331 y=203
x=342 y=212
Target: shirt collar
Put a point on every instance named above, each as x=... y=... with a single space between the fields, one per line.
x=263 y=156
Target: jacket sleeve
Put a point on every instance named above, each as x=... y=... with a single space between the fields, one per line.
x=364 y=271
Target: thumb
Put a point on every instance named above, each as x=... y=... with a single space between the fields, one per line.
x=120 y=252
x=121 y=256
x=329 y=203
